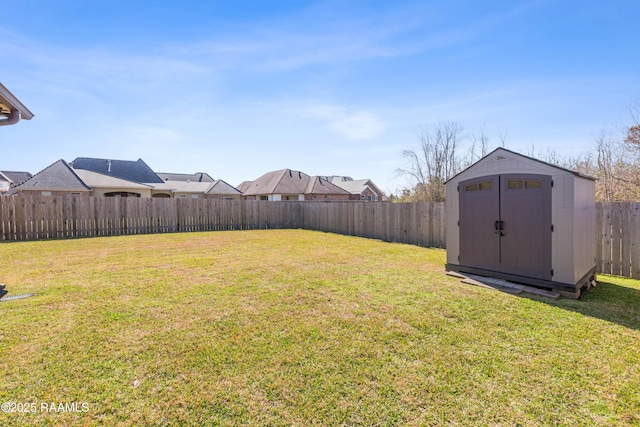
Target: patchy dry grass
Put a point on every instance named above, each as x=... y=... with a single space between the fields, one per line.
x=294 y=327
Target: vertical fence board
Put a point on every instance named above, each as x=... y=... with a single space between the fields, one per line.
x=606 y=238
x=625 y=240
x=634 y=233
x=616 y=220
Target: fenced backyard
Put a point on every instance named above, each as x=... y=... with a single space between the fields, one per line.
x=423 y=224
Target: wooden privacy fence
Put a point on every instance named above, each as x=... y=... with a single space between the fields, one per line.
x=40 y=217
x=423 y=224
x=618 y=239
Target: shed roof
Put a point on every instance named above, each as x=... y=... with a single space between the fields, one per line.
x=498 y=154
x=136 y=171
x=58 y=176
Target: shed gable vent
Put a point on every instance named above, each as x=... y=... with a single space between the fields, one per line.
x=495 y=159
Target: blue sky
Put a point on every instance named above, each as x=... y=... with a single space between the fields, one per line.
x=238 y=89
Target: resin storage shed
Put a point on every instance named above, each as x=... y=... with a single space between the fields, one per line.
x=513 y=217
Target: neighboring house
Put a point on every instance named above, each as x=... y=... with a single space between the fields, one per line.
x=222 y=190
x=57 y=179
x=117 y=178
x=244 y=186
x=287 y=184
x=195 y=177
x=197 y=185
x=134 y=171
x=109 y=186
x=9 y=179
x=360 y=189
x=216 y=189
x=11 y=109
x=5 y=182
x=16 y=178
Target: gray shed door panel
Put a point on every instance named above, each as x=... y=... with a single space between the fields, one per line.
x=505 y=224
x=479 y=209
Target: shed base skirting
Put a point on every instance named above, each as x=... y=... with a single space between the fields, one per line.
x=567 y=289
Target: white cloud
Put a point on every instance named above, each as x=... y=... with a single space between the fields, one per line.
x=352 y=124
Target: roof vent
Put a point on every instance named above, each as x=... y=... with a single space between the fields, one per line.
x=499 y=158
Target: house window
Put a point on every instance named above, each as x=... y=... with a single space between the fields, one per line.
x=121 y=194
x=161 y=196
x=45 y=193
x=264 y=197
x=194 y=196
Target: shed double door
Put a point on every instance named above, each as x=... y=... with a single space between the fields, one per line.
x=505 y=224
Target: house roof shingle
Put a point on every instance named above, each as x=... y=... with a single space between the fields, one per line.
x=358 y=186
x=244 y=185
x=287 y=181
x=16 y=178
x=98 y=180
x=58 y=176
x=195 y=177
x=136 y=171
x=319 y=185
x=222 y=187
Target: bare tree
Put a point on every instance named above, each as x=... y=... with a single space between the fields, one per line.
x=632 y=138
x=479 y=147
x=618 y=169
x=502 y=138
x=606 y=158
x=433 y=161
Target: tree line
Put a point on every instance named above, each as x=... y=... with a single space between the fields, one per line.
x=444 y=150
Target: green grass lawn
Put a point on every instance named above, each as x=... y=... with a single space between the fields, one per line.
x=293 y=327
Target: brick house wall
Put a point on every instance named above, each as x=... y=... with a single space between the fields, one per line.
x=224 y=196
x=327 y=197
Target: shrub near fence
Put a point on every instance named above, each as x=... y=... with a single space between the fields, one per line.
x=423 y=224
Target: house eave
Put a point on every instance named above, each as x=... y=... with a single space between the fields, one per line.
x=9 y=102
